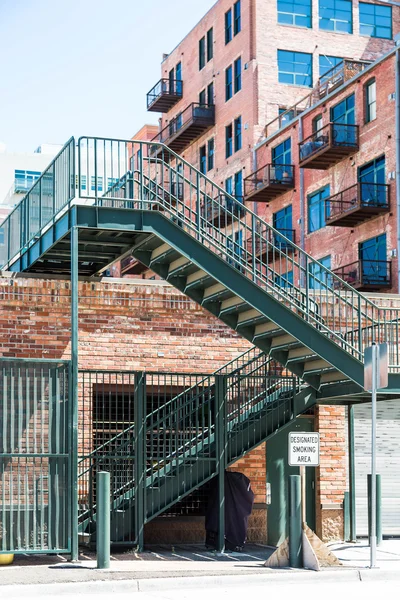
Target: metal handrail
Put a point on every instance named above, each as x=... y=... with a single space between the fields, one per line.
x=267 y=174
x=253 y=355
x=361 y=194
x=330 y=133
x=338 y=310
x=356 y=271
x=170 y=87
x=182 y=119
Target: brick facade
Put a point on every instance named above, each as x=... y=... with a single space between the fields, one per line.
x=377 y=138
x=261 y=96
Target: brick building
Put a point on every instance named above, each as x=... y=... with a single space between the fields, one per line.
x=237 y=71
x=273 y=75
x=249 y=61
x=341 y=204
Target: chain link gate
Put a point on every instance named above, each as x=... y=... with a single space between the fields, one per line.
x=35 y=450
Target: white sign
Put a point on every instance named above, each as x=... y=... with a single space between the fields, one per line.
x=303 y=449
x=377 y=354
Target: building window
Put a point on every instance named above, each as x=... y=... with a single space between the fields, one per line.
x=228 y=26
x=373 y=256
x=238 y=181
x=228 y=83
x=326 y=63
x=210 y=44
x=203 y=160
x=202 y=53
x=202 y=97
x=344 y=111
x=24 y=180
x=336 y=15
x=96 y=184
x=210 y=148
x=294 y=12
x=316 y=209
x=178 y=121
x=228 y=185
x=295 y=68
x=238 y=133
x=373 y=173
x=282 y=154
x=318 y=277
x=228 y=141
x=376 y=20
x=285 y=280
x=237 y=75
x=317 y=124
x=178 y=77
x=282 y=221
x=237 y=21
x=210 y=94
x=370 y=100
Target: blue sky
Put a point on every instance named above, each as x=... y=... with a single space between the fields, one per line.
x=83 y=67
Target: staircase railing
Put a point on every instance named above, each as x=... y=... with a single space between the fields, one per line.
x=181 y=432
x=339 y=306
x=327 y=302
x=117 y=446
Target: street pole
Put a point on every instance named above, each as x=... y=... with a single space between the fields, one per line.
x=375 y=358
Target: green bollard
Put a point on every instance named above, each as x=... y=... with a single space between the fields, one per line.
x=295 y=526
x=103 y=520
x=378 y=509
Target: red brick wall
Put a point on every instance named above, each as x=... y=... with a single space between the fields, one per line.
x=376 y=138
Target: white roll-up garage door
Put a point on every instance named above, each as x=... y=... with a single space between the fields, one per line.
x=388 y=463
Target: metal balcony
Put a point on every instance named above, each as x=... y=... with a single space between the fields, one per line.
x=328 y=146
x=131 y=266
x=221 y=211
x=357 y=204
x=269 y=246
x=268 y=182
x=186 y=127
x=164 y=95
x=367 y=275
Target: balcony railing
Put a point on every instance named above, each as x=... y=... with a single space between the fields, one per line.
x=357 y=204
x=164 y=95
x=270 y=246
x=367 y=275
x=186 y=127
x=268 y=182
x=328 y=145
x=221 y=211
x=335 y=77
x=332 y=79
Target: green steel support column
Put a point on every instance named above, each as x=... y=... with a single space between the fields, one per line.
x=220 y=400
x=140 y=448
x=103 y=520
x=74 y=392
x=378 y=508
x=352 y=475
x=295 y=528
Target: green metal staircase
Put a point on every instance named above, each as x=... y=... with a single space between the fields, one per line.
x=124 y=197
x=189 y=439
x=138 y=198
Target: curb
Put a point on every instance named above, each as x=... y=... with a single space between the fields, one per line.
x=281 y=576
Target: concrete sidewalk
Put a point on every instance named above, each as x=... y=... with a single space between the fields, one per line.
x=193 y=561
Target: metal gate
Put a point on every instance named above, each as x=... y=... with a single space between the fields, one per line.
x=35 y=467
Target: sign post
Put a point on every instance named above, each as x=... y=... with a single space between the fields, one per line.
x=303 y=452
x=375 y=377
